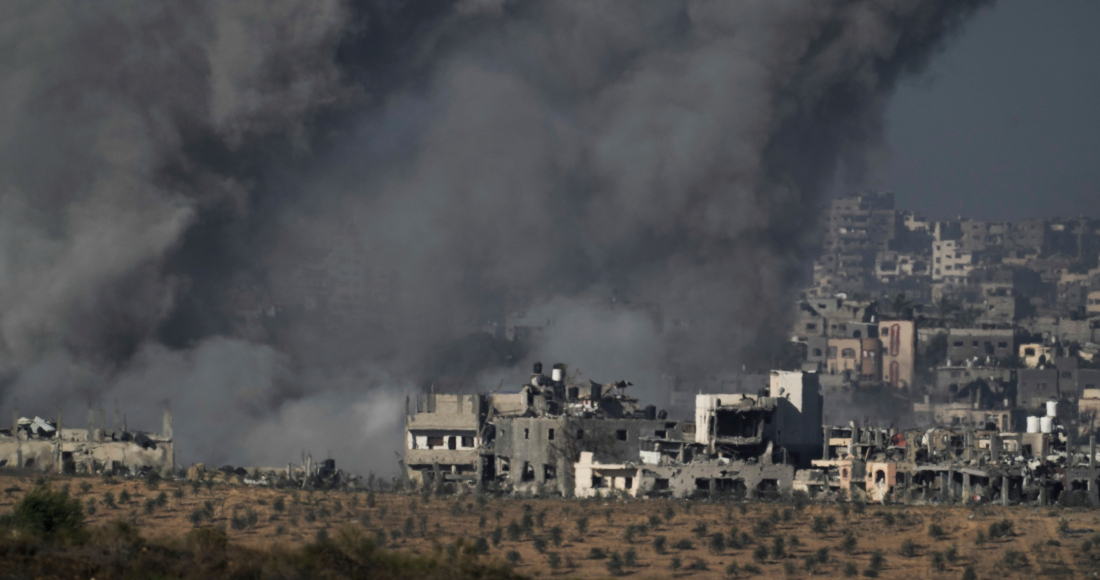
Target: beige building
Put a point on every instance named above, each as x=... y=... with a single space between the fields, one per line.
x=950 y=263
x=45 y=445
x=861 y=356
x=1092 y=303
x=899 y=351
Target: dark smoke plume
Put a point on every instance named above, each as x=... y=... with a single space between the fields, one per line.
x=282 y=216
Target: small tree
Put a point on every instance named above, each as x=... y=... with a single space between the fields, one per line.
x=659 y=544
x=556 y=536
x=614 y=564
x=48 y=513
x=582 y=525
x=717 y=543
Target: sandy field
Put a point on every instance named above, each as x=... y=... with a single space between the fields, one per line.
x=605 y=538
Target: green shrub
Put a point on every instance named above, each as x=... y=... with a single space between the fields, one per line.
x=515 y=532
x=238 y=522
x=779 y=548
x=717 y=543
x=540 y=545
x=850 y=570
x=496 y=535
x=848 y=544
x=124 y=497
x=1001 y=529
x=789 y=568
x=700 y=529
x=684 y=544
x=969 y=573
x=481 y=545
x=952 y=554
x=908 y=549
x=939 y=563
x=513 y=557
x=582 y=525
x=597 y=554
x=48 y=513
x=935 y=531
x=554 y=560
x=675 y=563
x=760 y=554
x=750 y=569
x=614 y=564
x=699 y=565
x=732 y=569
x=630 y=558
x=659 y=544
x=822 y=555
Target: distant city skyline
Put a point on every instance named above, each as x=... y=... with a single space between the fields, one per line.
x=1004 y=124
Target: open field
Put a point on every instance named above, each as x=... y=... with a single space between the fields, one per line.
x=779 y=539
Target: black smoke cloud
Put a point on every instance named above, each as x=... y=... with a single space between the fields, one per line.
x=279 y=215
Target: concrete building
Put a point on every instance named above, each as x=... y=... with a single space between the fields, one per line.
x=443 y=436
x=899 y=340
x=48 y=446
x=860 y=357
x=979 y=345
x=555 y=437
x=950 y=263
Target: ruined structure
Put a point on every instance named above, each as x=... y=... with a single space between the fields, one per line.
x=556 y=436
x=48 y=446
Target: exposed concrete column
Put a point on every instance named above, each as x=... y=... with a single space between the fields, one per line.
x=994 y=447
x=1042 y=493
x=166 y=425
x=1004 y=490
x=91 y=425
x=825 y=442
x=1093 y=499
x=1092 y=451
x=966 y=488
x=945 y=486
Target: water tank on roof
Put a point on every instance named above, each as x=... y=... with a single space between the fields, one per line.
x=651 y=412
x=556 y=373
x=1033 y=425
x=1052 y=408
x=1046 y=424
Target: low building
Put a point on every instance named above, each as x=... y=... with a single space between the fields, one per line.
x=48 y=446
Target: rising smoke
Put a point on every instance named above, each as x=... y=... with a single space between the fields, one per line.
x=381 y=178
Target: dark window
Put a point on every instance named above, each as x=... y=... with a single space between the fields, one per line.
x=451 y=443
x=528 y=472
x=1002 y=345
x=621 y=435
x=660 y=484
x=817 y=352
x=661 y=434
x=811 y=326
x=629 y=482
x=580 y=433
x=1067 y=375
x=848 y=353
x=434 y=442
x=550 y=435
x=1029 y=352
x=958 y=343
x=702 y=483
x=598 y=482
x=856 y=334
x=549 y=472
x=467 y=441
x=526 y=433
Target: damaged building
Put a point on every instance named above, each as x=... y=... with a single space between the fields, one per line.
x=555 y=436
x=48 y=446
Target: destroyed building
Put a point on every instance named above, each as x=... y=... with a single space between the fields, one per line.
x=555 y=436
x=47 y=446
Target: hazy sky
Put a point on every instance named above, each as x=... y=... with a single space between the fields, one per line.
x=1006 y=124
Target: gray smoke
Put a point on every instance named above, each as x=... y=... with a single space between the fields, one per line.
x=284 y=216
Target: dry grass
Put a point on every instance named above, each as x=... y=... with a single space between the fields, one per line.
x=900 y=534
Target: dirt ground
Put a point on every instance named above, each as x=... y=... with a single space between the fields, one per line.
x=911 y=542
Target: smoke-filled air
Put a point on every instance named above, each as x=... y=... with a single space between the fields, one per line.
x=280 y=218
